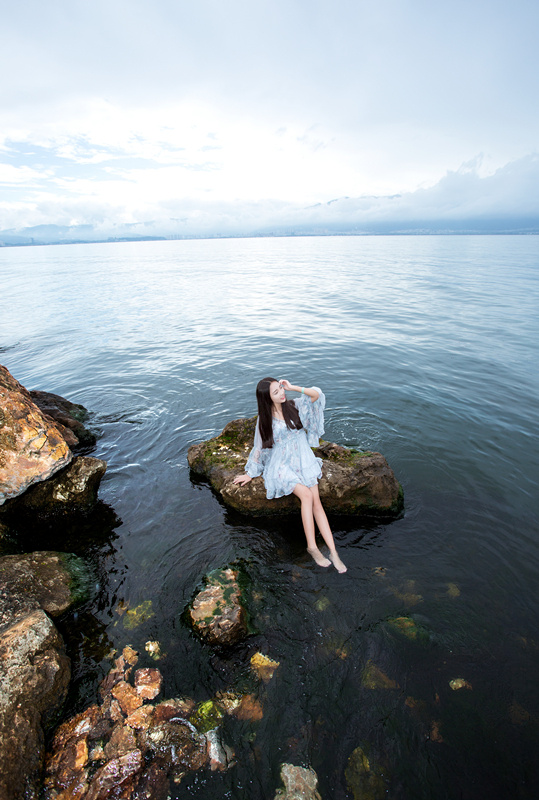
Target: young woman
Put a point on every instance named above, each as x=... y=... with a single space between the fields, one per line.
x=285 y=432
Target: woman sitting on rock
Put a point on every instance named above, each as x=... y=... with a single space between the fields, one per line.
x=285 y=432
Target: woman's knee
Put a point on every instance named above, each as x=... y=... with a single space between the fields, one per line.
x=304 y=494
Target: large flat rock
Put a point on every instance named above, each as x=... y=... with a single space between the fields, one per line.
x=353 y=482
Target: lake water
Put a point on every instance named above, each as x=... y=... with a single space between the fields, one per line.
x=427 y=350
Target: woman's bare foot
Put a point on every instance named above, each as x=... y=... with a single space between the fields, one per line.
x=337 y=563
x=315 y=553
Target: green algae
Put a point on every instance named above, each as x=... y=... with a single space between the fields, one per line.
x=136 y=616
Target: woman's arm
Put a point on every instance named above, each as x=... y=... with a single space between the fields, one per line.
x=310 y=392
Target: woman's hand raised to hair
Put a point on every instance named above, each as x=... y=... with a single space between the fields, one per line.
x=242 y=479
x=286 y=385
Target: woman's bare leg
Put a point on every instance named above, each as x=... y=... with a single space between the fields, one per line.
x=325 y=531
x=306 y=499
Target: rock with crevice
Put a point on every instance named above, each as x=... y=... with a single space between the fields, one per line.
x=353 y=482
x=34 y=668
x=38 y=473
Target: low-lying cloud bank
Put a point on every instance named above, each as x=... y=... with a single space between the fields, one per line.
x=461 y=202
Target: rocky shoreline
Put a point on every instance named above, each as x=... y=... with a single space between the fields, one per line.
x=129 y=744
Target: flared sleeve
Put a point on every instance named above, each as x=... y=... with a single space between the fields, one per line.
x=257 y=457
x=312 y=415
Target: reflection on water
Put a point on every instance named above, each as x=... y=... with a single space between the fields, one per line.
x=426 y=348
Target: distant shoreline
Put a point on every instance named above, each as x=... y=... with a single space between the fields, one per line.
x=205 y=237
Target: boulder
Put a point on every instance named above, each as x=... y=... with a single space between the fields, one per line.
x=299 y=783
x=353 y=482
x=72 y=490
x=32 y=446
x=34 y=669
x=34 y=676
x=217 y=614
x=44 y=579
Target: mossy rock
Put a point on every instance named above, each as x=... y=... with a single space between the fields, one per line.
x=217 y=613
x=353 y=482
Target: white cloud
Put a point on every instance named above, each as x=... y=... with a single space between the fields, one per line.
x=135 y=107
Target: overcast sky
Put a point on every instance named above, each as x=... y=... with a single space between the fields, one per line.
x=166 y=112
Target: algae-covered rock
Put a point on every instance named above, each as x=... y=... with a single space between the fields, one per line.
x=207 y=716
x=136 y=616
x=366 y=779
x=217 y=614
x=353 y=482
x=372 y=677
x=408 y=627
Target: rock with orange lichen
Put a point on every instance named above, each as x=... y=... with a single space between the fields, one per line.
x=250 y=709
x=38 y=474
x=32 y=447
x=148 y=683
x=127 y=697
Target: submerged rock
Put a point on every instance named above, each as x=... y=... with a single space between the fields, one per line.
x=32 y=446
x=217 y=614
x=263 y=666
x=300 y=783
x=365 y=777
x=372 y=677
x=353 y=482
x=129 y=748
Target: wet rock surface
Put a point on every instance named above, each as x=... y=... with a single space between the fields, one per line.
x=38 y=473
x=43 y=579
x=34 y=676
x=70 y=415
x=353 y=482
x=216 y=613
x=128 y=747
x=73 y=490
x=34 y=668
x=32 y=446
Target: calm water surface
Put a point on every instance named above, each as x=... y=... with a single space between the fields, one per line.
x=427 y=350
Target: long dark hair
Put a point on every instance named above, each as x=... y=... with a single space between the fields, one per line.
x=265 y=408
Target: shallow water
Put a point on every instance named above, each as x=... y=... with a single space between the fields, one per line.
x=426 y=348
